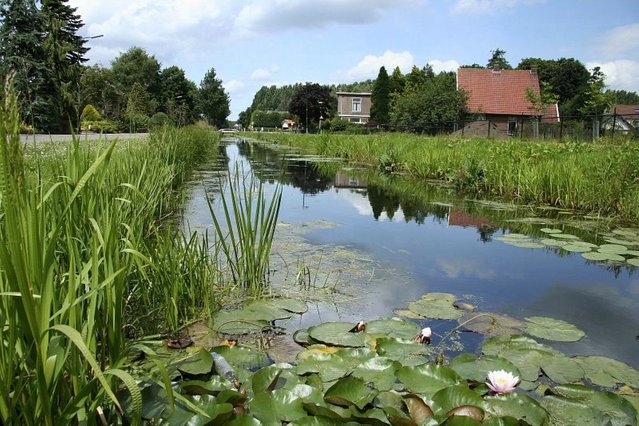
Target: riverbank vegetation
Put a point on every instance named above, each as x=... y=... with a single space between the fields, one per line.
x=595 y=177
x=88 y=264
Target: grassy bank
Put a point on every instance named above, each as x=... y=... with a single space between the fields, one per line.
x=86 y=264
x=595 y=177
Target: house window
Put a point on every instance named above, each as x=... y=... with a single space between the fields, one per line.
x=512 y=127
x=357 y=104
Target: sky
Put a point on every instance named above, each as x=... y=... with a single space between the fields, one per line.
x=253 y=43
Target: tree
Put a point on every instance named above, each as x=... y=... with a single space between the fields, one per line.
x=380 y=97
x=396 y=82
x=138 y=108
x=66 y=50
x=178 y=95
x=137 y=66
x=310 y=102
x=99 y=87
x=624 y=97
x=244 y=117
x=22 y=52
x=213 y=101
x=498 y=59
x=596 y=101
x=416 y=78
x=436 y=106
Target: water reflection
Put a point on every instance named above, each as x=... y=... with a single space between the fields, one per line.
x=391 y=240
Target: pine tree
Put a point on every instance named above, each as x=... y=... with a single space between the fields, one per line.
x=213 y=100
x=22 y=53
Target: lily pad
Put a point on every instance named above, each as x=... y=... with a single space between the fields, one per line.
x=574 y=248
x=451 y=397
x=552 y=242
x=277 y=407
x=525 y=244
x=613 y=248
x=563 y=370
x=471 y=367
x=551 y=230
x=350 y=391
x=241 y=356
x=336 y=334
x=491 y=324
x=634 y=261
x=526 y=354
x=596 y=256
x=565 y=236
x=407 y=352
x=517 y=405
x=608 y=372
x=428 y=379
x=200 y=363
x=379 y=371
x=553 y=329
x=437 y=306
x=292 y=305
x=393 y=327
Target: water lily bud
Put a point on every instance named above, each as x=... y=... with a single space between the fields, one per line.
x=361 y=326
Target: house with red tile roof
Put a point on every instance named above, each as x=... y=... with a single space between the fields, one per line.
x=624 y=118
x=498 y=98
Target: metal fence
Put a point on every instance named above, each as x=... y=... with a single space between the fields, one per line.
x=613 y=125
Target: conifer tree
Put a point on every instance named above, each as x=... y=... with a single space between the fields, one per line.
x=380 y=97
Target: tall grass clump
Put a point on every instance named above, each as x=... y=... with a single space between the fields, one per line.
x=246 y=233
x=600 y=176
x=84 y=255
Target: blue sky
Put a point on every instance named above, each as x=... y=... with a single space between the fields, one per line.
x=252 y=43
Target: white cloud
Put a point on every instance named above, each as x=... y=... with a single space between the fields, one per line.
x=262 y=74
x=621 y=74
x=232 y=86
x=620 y=40
x=487 y=6
x=370 y=65
x=439 y=66
x=257 y=17
x=456 y=268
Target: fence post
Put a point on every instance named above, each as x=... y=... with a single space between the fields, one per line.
x=561 y=128
x=488 y=128
x=614 y=123
x=521 y=129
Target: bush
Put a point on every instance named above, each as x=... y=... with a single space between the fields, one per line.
x=159 y=119
x=99 y=126
x=26 y=129
x=89 y=113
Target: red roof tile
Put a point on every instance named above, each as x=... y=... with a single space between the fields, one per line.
x=497 y=92
x=622 y=109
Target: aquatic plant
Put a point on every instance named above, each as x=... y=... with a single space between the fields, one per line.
x=246 y=233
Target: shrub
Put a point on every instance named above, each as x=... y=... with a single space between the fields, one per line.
x=89 y=113
x=159 y=119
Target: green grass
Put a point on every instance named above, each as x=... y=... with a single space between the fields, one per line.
x=598 y=177
x=86 y=258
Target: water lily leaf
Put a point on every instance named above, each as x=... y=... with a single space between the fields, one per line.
x=583 y=244
x=265 y=310
x=307 y=393
x=596 y=256
x=336 y=334
x=393 y=327
x=551 y=230
x=265 y=379
x=564 y=411
x=301 y=337
x=471 y=367
x=575 y=248
x=313 y=421
x=437 y=306
x=632 y=253
x=526 y=354
x=501 y=421
x=553 y=243
x=241 y=356
x=350 y=391
x=627 y=232
x=563 y=370
x=513 y=236
x=634 y=261
x=608 y=372
x=453 y=397
x=197 y=364
x=565 y=236
x=379 y=371
x=216 y=413
x=200 y=387
x=427 y=379
x=517 y=405
x=236 y=322
x=621 y=242
x=329 y=411
x=418 y=409
x=328 y=367
x=525 y=244
x=553 y=329
x=244 y=420
x=613 y=248
x=491 y=324
x=615 y=408
x=461 y=421
x=292 y=305
x=372 y=416
x=276 y=407
x=407 y=352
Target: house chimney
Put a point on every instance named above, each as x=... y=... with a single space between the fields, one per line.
x=533 y=69
x=496 y=69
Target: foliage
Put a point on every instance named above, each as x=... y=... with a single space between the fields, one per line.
x=272 y=119
x=137 y=66
x=380 y=97
x=498 y=60
x=556 y=174
x=213 y=101
x=596 y=101
x=624 y=97
x=249 y=225
x=425 y=107
x=310 y=102
x=159 y=119
x=396 y=82
x=178 y=96
x=89 y=113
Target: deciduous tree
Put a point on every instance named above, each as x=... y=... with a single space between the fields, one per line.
x=310 y=102
x=213 y=101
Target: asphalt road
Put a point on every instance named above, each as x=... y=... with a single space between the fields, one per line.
x=39 y=138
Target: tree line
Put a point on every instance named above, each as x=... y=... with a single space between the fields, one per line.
x=41 y=46
x=424 y=101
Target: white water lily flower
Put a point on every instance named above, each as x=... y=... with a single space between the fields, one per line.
x=502 y=381
x=424 y=335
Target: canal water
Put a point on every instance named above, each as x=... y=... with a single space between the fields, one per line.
x=358 y=245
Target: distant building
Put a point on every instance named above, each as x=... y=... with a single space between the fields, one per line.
x=498 y=98
x=354 y=107
x=624 y=118
x=288 y=124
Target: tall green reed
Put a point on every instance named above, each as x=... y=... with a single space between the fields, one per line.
x=246 y=235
